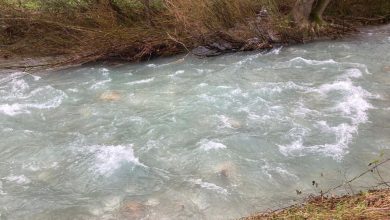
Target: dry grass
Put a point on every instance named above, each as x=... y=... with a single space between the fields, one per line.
x=368 y=205
x=99 y=31
x=86 y=32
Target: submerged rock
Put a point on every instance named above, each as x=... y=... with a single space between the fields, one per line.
x=132 y=210
x=222 y=46
x=110 y=96
x=85 y=111
x=111 y=203
x=226 y=169
x=230 y=122
x=205 y=52
x=234 y=123
x=152 y=202
x=386 y=69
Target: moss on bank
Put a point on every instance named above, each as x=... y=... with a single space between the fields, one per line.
x=365 y=205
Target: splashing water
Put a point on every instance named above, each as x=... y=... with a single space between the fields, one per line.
x=213 y=138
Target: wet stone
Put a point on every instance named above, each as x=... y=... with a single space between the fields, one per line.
x=110 y=96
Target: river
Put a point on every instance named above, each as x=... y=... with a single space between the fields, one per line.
x=190 y=138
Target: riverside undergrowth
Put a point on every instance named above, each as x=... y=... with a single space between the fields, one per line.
x=134 y=30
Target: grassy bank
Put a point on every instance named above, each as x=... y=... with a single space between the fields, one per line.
x=88 y=30
x=365 y=205
x=372 y=204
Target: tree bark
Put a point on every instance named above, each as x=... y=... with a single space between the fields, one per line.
x=307 y=11
x=318 y=10
x=301 y=12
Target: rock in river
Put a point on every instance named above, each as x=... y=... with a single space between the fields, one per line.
x=110 y=96
x=205 y=52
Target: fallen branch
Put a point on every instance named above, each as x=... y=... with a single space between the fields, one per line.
x=357 y=177
x=172 y=38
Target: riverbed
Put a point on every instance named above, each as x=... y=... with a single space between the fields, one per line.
x=190 y=138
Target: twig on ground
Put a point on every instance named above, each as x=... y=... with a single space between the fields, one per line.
x=357 y=177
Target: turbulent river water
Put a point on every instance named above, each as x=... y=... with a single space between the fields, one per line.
x=189 y=138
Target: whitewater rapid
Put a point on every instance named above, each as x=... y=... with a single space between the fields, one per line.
x=193 y=138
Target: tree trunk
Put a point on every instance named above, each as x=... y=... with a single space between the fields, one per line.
x=305 y=11
x=318 y=10
x=301 y=12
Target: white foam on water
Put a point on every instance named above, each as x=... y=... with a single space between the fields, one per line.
x=21 y=179
x=12 y=109
x=105 y=71
x=343 y=137
x=74 y=90
x=228 y=122
x=303 y=111
x=352 y=73
x=207 y=145
x=201 y=71
x=247 y=59
x=359 y=66
x=279 y=87
x=179 y=72
x=36 y=78
x=14 y=89
x=25 y=108
x=141 y=81
x=207 y=98
x=352 y=105
x=203 y=84
x=8 y=129
x=295 y=148
x=238 y=92
x=12 y=76
x=275 y=51
x=209 y=186
x=151 y=65
x=267 y=168
x=313 y=62
x=297 y=61
x=17 y=98
x=100 y=84
x=355 y=107
x=335 y=150
x=110 y=158
x=37 y=166
x=224 y=87
x=1 y=191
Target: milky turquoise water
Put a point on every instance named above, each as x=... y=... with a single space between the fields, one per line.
x=189 y=138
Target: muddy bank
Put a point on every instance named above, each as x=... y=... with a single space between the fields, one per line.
x=215 y=44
